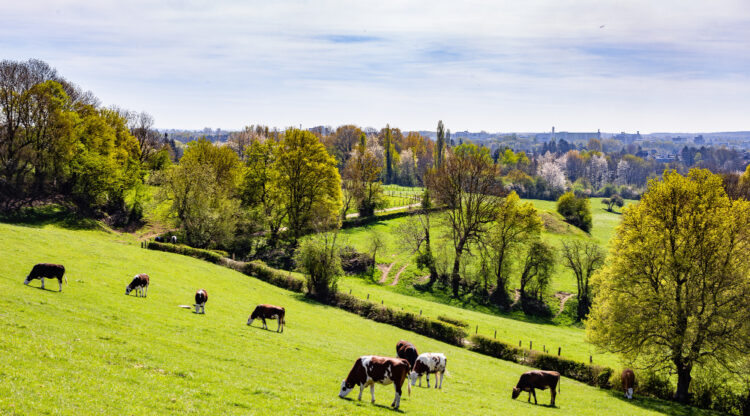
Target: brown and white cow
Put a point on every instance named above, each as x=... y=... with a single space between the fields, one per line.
x=48 y=271
x=429 y=363
x=139 y=284
x=371 y=369
x=538 y=379
x=269 y=312
x=407 y=351
x=628 y=382
x=201 y=296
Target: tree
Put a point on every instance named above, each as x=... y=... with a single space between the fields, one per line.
x=308 y=182
x=344 y=141
x=361 y=177
x=376 y=243
x=538 y=265
x=583 y=259
x=516 y=224
x=259 y=191
x=440 y=144
x=467 y=184
x=319 y=258
x=575 y=210
x=674 y=294
x=552 y=172
x=612 y=201
x=388 y=145
x=141 y=126
x=415 y=233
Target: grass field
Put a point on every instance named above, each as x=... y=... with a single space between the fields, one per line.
x=92 y=350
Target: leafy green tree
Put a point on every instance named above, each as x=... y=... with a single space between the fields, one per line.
x=440 y=144
x=612 y=201
x=319 y=258
x=308 y=182
x=361 y=177
x=576 y=210
x=674 y=293
x=388 y=146
x=258 y=191
x=516 y=225
x=583 y=259
x=467 y=184
x=538 y=264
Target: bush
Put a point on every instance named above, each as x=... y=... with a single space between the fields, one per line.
x=453 y=321
x=575 y=210
x=198 y=253
x=655 y=385
x=354 y=262
x=495 y=348
x=448 y=333
x=275 y=277
x=319 y=259
x=360 y=221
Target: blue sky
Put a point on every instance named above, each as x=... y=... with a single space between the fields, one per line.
x=494 y=66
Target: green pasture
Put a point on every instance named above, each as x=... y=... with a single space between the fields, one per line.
x=91 y=350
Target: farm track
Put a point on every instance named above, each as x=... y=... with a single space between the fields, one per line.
x=385 y=269
x=395 y=278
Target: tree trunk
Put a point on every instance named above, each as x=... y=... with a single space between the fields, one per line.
x=455 y=276
x=584 y=305
x=683 y=383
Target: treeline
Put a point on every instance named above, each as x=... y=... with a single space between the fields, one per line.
x=58 y=144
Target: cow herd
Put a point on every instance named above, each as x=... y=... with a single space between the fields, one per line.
x=367 y=369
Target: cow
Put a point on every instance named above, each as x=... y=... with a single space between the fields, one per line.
x=48 y=271
x=407 y=351
x=538 y=379
x=268 y=312
x=429 y=363
x=139 y=284
x=174 y=239
x=159 y=239
x=628 y=382
x=371 y=369
x=201 y=296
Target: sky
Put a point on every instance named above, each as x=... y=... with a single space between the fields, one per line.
x=497 y=66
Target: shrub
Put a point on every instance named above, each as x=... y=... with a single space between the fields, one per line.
x=575 y=210
x=354 y=262
x=453 y=321
x=275 y=277
x=655 y=385
x=198 y=253
x=495 y=348
x=318 y=258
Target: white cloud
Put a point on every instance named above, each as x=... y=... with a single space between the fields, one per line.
x=496 y=66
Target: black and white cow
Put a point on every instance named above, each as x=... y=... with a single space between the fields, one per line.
x=174 y=239
x=429 y=363
x=48 y=271
x=139 y=284
x=201 y=296
x=264 y=312
x=371 y=369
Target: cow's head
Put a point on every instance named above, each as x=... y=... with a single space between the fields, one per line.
x=26 y=282
x=516 y=392
x=345 y=389
x=413 y=377
x=250 y=320
x=128 y=290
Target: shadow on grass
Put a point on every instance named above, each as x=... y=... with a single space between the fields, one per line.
x=364 y=402
x=660 y=406
x=39 y=217
x=266 y=329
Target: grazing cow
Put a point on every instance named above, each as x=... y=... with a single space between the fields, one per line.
x=48 y=271
x=174 y=239
x=628 y=382
x=537 y=379
x=268 y=312
x=159 y=239
x=429 y=363
x=371 y=369
x=407 y=351
x=201 y=296
x=139 y=284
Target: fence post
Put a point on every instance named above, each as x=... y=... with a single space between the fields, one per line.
x=381 y=301
x=495 y=336
x=477 y=331
x=558 y=351
x=420 y=312
x=530 y=343
x=519 y=343
x=544 y=348
x=591 y=359
x=350 y=291
x=368 y=296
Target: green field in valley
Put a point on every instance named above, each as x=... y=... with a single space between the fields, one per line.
x=93 y=350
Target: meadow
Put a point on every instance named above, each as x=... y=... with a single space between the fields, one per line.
x=92 y=350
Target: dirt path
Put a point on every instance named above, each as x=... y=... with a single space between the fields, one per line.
x=563 y=296
x=385 y=268
x=356 y=214
x=395 y=279
x=516 y=297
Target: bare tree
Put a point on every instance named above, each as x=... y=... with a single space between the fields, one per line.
x=583 y=259
x=466 y=183
x=415 y=233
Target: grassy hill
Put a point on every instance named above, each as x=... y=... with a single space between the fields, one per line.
x=92 y=350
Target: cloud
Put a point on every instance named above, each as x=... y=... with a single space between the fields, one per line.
x=478 y=65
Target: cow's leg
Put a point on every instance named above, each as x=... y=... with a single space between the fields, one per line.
x=361 y=388
x=427 y=376
x=554 y=392
x=42 y=283
x=630 y=393
x=59 y=282
x=264 y=322
x=534 y=393
x=372 y=392
x=145 y=291
x=420 y=380
x=397 y=399
x=278 y=325
x=442 y=376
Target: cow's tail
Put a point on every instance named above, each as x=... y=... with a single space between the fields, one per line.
x=559 y=382
x=408 y=386
x=283 y=316
x=66 y=279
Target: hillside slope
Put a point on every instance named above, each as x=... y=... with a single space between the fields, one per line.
x=92 y=350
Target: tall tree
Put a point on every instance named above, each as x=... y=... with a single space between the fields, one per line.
x=583 y=259
x=516 y=225
x=361 y=179
x=674 y=294
x=258 y=191
x=415 y=233
x=440 y=144
x=388 y=145
x=536 y=270
x=308 y=181
x=467 y=184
